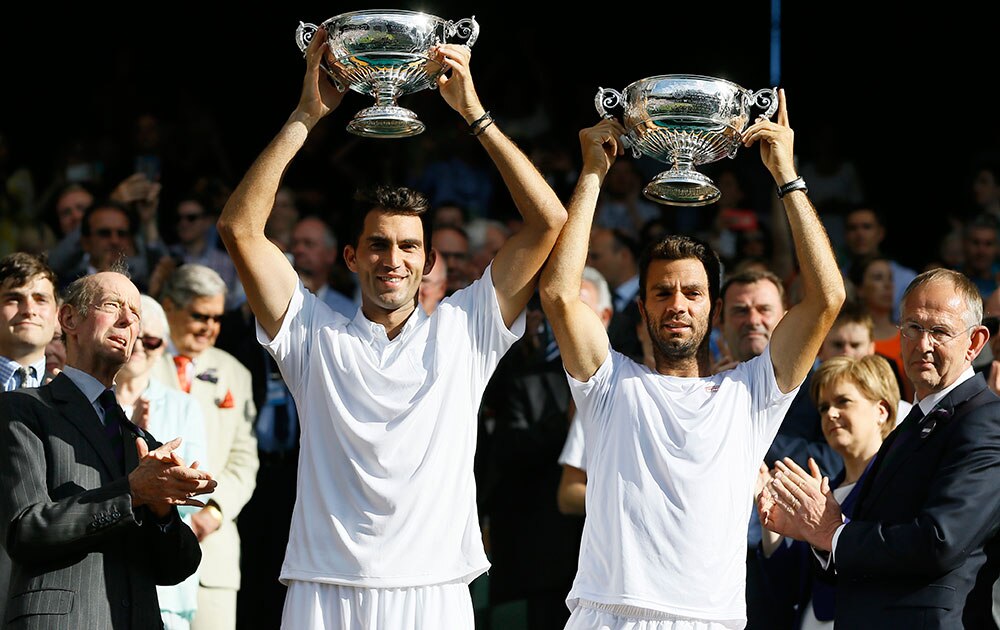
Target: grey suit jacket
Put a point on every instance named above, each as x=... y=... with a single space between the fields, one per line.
x=82 y=558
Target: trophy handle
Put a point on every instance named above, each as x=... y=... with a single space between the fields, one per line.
x=303 y=37
x=627 y=143
x=467 y=28
x=304 y=34
x=606 y=99
x=766 y=100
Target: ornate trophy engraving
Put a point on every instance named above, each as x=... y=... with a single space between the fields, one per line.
x=684 y=120
x=386 y=53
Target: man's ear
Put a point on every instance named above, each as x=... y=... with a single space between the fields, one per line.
x=68 y=318
x=351 y=258
x=430 y=261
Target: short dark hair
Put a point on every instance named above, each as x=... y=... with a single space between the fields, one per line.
x=853 y=312
x=107 y=204
x=20 y=268
x=753 y=276
x=678 y=247
x=390 y=200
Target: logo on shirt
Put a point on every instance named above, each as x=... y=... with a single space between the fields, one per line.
x=711 y=389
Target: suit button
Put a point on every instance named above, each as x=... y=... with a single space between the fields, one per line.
x=125 y=603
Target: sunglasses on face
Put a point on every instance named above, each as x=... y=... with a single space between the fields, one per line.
x=189 y=217
x=107 y=232
x=205 y=318
x=151 y=343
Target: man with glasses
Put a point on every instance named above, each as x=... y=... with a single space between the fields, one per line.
x=197 y=243
x=108 y=238
x=193 y=299
x=87 y=510
x=921 y=547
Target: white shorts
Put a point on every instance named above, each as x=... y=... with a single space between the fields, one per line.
x=318 y=606
x=595 y=616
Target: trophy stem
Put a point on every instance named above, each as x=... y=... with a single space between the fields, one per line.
x=385 y=94
x=682 y=185
x=385 y=119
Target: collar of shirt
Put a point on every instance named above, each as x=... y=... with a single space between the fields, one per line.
x=931 y=401
x=90 y=386
x=375 y=333
x=8 y=368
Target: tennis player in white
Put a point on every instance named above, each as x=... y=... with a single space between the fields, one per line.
x=673 y=454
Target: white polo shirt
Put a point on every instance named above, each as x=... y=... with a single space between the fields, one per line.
x=671 y=465
x=386 y=494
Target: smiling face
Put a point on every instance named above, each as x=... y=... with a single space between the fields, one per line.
x=749 y=314
x=27 y=317
x=195 y=328
x=390 y=261
x=676 y=310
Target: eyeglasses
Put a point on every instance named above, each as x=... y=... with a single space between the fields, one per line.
x=190 y=217
x=205 y=318
x=939 y=336
x=107 y=232
x=151 y=343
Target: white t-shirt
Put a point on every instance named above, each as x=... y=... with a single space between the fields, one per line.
x=671 y=466
x=386 y=494
x=574 y=451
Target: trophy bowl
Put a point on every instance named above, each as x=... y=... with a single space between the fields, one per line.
x=385 y=53
x=684 y=120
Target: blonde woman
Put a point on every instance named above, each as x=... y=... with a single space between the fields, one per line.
x=857 y=400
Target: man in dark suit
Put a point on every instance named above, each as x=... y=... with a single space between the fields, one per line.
x=922 y=548
x=86 y=509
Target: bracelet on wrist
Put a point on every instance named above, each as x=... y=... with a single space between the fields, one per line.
x=796 y=184
x=480 y=124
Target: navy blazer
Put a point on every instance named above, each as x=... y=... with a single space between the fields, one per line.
x=922 y=550
x=82 y=558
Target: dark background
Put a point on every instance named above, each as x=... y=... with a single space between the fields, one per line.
x=909 y=94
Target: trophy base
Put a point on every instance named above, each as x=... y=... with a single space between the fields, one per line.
x=682 y=188
x=385 y=122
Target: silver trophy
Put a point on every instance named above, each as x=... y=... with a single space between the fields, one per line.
x=386 y=53
x=684 y=120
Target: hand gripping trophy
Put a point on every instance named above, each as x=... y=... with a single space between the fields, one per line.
x=386 y=53
x=684 y=120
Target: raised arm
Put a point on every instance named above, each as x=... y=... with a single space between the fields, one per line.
x=516 y=265
x=798 y=336
x=267 y=276
x=582 y=338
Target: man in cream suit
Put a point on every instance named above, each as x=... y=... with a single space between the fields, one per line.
x=193 y=299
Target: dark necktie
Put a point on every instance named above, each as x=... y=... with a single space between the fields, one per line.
x=114 y=416
x=904 y=433
x=20 y=377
